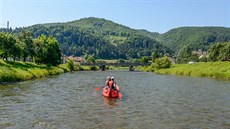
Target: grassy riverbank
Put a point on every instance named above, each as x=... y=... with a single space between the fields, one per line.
x=11 y=71
x=117 y=68
x=218 y=70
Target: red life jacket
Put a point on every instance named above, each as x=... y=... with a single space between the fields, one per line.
x=110 y=83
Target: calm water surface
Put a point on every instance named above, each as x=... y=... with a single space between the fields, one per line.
x=150 y=101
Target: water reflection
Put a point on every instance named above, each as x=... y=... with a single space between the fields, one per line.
x=70 y=101
x=111 y=102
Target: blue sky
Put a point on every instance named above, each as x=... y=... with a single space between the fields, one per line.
x=153 y=15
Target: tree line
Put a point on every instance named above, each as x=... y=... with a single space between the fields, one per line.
x=24 y=47
x=105 y=39
x=217 y=52
x=98 y=37
x=194 y=37
x=102 y=45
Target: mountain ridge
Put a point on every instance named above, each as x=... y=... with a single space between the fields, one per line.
x=99 y=37
x=107 y=39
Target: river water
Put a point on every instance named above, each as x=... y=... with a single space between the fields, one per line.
x=150 y=101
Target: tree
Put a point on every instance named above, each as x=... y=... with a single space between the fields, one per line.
x=184 y=55
x=17 y=50
x=91 y=60
x=214 y=52
x=26 y=39
x=39 y=47
x=219 y=52
x=154 y=56
x=7 y=44
x=163 y=62
x=47 y=50
x=144 y=59
x=70 y=65
x=53 y=53
x=225 y=52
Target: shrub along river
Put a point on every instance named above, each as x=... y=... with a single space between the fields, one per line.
x=70 y=101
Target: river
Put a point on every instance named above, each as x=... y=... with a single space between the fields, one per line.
x=150 y=101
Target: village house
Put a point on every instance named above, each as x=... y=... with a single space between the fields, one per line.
x=200 y=53
x=77 y=59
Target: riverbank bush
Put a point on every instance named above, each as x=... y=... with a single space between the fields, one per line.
x=11 y=71
x=218 y=70
x=162 y=63
x=70 y=65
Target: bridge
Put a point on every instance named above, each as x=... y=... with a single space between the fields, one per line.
x=125 y=64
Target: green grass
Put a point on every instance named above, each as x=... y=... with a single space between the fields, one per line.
x=218 y=70
x=86 y=68
x=144 y=68
x=11 y=71
x=117 y=68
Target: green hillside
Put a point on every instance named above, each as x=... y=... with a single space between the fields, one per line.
x=99 y=37
x=108 y=40
x=148 y=33
x=195 y=37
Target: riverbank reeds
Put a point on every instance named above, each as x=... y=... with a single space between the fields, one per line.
x=218 y=70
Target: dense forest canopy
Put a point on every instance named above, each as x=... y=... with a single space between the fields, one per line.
x=198 y=38
x=98 y=37
x=105 y=39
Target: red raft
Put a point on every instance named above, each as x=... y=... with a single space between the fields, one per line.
x=111 y=93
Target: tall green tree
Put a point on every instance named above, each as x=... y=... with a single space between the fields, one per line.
x=17 y=50
x=7 y=43
x=47 y=50
x=219 y=52
x=26 y=38
x=225 y=52
x=53 y=53
x=184 y=55
x=39 y=47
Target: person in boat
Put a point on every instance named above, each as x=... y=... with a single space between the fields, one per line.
x=107 y=81
x=113 y=83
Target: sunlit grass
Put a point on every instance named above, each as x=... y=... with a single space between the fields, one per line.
x=218 y=70
x=11 y=71
x=144 y=68
x=86 y=68
x=117 y=68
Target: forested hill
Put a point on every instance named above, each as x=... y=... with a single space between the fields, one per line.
x=194 y=37
x=99 y=37
x=108 y=40
x=148 y=33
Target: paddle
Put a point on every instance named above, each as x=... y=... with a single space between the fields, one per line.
x=118 y=91
x=119 y=95
x=97 y=88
